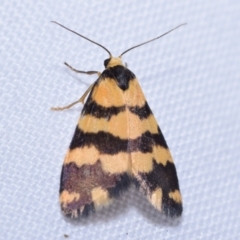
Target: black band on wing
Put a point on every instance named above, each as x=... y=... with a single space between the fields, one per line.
x=107 y=143
x=142 y=112
x=98 y=111
x=161 y=176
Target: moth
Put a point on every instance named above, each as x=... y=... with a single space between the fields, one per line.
x=117 y=141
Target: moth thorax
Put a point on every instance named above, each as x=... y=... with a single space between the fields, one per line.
x=113 y=61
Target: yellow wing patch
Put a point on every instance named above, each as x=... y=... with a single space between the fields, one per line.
x=125 y=125
x=100 y=197
x=162 y=155
x=117 y=125
x=81 y=156
x=117 y=163
x=156 y=198
x=134 y=96
x=67 y=197
x=106 y=94
x=176 y=196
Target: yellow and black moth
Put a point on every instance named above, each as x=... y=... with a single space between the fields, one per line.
x=117 y=141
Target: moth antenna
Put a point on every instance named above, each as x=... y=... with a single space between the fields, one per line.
x=83 y=37
x=152 y=39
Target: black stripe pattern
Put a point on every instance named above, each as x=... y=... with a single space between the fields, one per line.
x=106 y=143
x=98 y=111
x=142 y=112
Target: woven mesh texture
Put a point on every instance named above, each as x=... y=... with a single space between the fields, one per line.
x=191 y=79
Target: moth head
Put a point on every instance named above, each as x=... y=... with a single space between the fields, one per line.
x=113 y=61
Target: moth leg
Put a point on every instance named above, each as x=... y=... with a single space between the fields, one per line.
x=84 y=95
x=81 y=99
x=85 y=72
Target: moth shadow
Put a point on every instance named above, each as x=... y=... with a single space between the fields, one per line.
x=121 y=205
x=151 y=214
